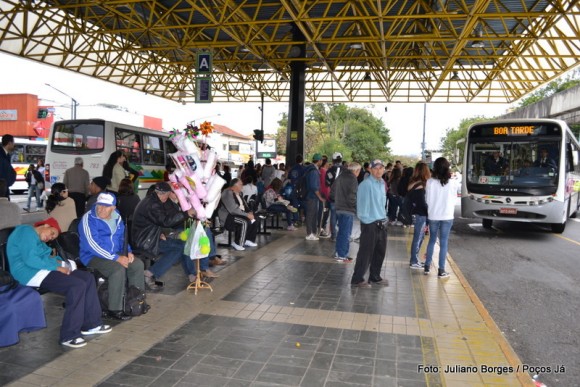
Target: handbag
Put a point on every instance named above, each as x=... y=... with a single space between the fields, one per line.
x=7 y=282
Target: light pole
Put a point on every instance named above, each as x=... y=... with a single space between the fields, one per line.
x=73 y=103
x=423 y=143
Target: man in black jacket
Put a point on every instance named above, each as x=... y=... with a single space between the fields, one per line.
x=151 y=215
x=343 y=194
x=6 y=171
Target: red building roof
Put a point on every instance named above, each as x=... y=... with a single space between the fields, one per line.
x=228 y=132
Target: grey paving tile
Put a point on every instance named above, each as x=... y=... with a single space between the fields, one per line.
x=130 y=379
x=384 y=381
x=138 y=369
x=284 y=369
x=163 y=353
x=187 y=362
x=359 y=369
x=169 y=378
x=327 y=346
x=153 y=362
x=314 y=377
x=290 y=360
x=322 y=361
x=411 y=383
x=249 y=370
x=238 y=383
x=214 y=370
x=348 y=377
x=410 y=374
x=272 y=378
x=206 y=380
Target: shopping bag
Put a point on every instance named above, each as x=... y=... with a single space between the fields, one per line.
x=197 y=244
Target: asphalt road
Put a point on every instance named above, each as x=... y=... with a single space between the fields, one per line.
x=527 y=278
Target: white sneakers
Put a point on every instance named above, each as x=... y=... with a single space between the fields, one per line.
x=98 y=330
x=238 y=247
x=250 y=244
x=312 y=237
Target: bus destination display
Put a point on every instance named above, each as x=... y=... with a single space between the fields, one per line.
x=514 y=130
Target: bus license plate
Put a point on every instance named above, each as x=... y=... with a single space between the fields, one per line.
x=508 y=211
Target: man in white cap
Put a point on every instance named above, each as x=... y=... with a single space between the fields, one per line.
x=102 y=241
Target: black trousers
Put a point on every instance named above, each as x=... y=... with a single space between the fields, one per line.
x=372 y=251
x=83 y=309
x=245 y=230
x=80 y=200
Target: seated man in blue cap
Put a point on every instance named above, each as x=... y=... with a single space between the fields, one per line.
x=102 y=241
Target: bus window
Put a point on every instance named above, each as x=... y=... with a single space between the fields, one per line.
x=129 y=143
x=153 y=150
x=169 y=148
x=78 y=136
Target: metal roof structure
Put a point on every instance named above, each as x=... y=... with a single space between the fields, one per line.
x=373 y=51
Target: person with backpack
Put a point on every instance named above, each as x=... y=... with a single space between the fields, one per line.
x=332 y=173
x=416 y=197
x=313 y=196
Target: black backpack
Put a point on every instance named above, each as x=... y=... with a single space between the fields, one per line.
x=301 y=189
x=134 y=302
x=406 y=209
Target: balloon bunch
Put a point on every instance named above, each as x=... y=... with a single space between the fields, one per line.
x=194 y=181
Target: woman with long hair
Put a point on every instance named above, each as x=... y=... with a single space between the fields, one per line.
x=440 y=194
x=416 y=194
x=276 y=203
x=114 y=170
x=60 y=207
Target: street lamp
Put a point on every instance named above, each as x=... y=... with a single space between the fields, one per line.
x=73 y=103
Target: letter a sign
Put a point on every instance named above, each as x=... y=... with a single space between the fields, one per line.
x=204 y=62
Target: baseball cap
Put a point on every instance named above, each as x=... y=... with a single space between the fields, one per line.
x=377 y=163
x=317 y=157
x=162 y=187
x=106 y=199
x=51 y=222
x=336 y=156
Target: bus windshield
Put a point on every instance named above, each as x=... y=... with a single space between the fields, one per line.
x=83 y=137
x=522 y=159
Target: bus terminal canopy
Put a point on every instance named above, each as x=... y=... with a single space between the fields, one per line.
x=373 y=51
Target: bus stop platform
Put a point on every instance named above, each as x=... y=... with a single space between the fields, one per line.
x=284 y=313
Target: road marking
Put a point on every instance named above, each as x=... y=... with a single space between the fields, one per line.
x=567 y=239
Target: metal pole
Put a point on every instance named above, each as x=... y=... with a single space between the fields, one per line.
x=73 y=102
x=423 y=143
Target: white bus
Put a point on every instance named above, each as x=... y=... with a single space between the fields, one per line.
x=521 y=170
x=26 y=152
x=94 y=140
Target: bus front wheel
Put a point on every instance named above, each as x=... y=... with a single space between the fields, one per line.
x=486 y=223
x=558 y=228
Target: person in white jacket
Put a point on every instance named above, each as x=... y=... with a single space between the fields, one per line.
x=440 y=194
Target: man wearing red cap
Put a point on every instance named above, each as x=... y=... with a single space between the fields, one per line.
x=32 y=264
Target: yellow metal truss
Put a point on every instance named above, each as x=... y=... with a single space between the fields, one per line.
x=354 y=51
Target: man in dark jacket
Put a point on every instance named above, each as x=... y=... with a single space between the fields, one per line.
x=150 y=217
x=332 y=173
x=343 y=194
x=6 y=171
x=313 y=197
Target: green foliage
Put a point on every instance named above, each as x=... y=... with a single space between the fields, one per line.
x=452 y=135
x=551 y=88
x=330 y=128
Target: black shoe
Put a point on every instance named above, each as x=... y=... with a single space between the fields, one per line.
x=118 y=315
x=151 y=284
x=382 y=282
x=361 y=284
x=426 y=272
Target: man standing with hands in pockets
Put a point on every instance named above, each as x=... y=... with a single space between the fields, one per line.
x=370 y=209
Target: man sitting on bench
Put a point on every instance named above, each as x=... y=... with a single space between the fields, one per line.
x=32 y=263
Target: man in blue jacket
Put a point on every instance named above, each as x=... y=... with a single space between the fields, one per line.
x=6 y=171
x=370 y=208
x=101 y=232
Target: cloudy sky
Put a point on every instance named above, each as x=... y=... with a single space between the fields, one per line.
x=405 y=121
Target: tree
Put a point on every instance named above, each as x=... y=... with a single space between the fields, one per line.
x=551 y=88
x=452 y=135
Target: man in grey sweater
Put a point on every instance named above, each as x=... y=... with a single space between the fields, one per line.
x=343 y=194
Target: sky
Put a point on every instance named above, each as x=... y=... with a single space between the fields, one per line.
x=405 y=121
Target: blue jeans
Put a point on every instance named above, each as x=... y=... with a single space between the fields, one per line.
x=440 y=228
x=291 y=217
x=418 y=235
x=344 y=230
x=34 y=191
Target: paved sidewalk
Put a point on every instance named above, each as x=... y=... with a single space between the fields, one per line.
x=284 y=314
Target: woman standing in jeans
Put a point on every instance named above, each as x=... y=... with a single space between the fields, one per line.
x=441 y=194
x=416 y=193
